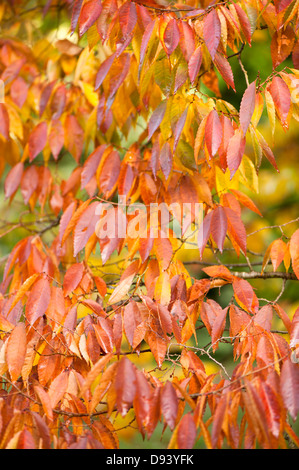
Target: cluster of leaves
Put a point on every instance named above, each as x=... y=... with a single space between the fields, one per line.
x=67 y=335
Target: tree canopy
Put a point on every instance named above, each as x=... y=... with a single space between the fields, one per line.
x=138 y=292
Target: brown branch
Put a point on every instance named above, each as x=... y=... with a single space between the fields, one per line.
x=268 y=275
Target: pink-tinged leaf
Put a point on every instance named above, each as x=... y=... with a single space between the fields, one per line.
x=45 y=96
x=109 y=173
x=38 y=300
x=244 y=22
x=247 y=107
x=295 y=56
x=289 y=387
x=169 y=404
x=212 y=32
x=245 y=295
x=58 y=102
x=264 y=317
x=227 y=133
x=75 y=14
x=218 y=419
x=29 y=182
x=127 y=18
x=103 y=71
x=225 y=70
x=266 y=150
x=145 y=40
x=16 y=351
x=213 y=132
x=19 y=91
x=179 y=128
x=187 y=41
x=204 y=233
x=186 y=432
x=4 y=121
x=235 y=151
x=85 y=227
x=282 y=99
x=166 y=159
x=74 y=136
x=294 y=252
x=56 y=138
x=37 y=140
x=13 y=179
x=125 y=385
x=90 y=12
x=236 y=228
x=171 y=36
x=282 y=5
x=91 y=165
x=72 y=278
x=156 y=118
x=219 y=226
x=294 y=330
x=194 y=64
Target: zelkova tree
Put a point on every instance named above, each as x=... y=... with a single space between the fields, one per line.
x=120 y=158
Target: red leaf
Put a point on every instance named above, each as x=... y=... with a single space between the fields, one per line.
x=74 y=136
x=236 y=229
x=171 y=36
x=125 y=385
x=213 y=133
x=90 y=12
x=228 y=132
x=294 y=252
x=194 y=64
x=235 y=151
x=75 y=14
x=245 y=295
x=38 y=300
x=186 y=432
x=169 y=404
x=4 y=121
x=179 y=128
x=91 y=164
x=282 y=99
x=166 y=159
x=244 y=22
x=289 y=386
x=247 y=107
x=72 y=278
x=204 y=232
x=225 y=70
x=103 y=71
x=219 y=226
x=295 y=56
x=127 y=18
x=37 y=140
x=156 y=118
x=109 y=173
x=212 y=32
x=294 y=330
x=56 y=138
x=13 y=179
x=187 y=42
